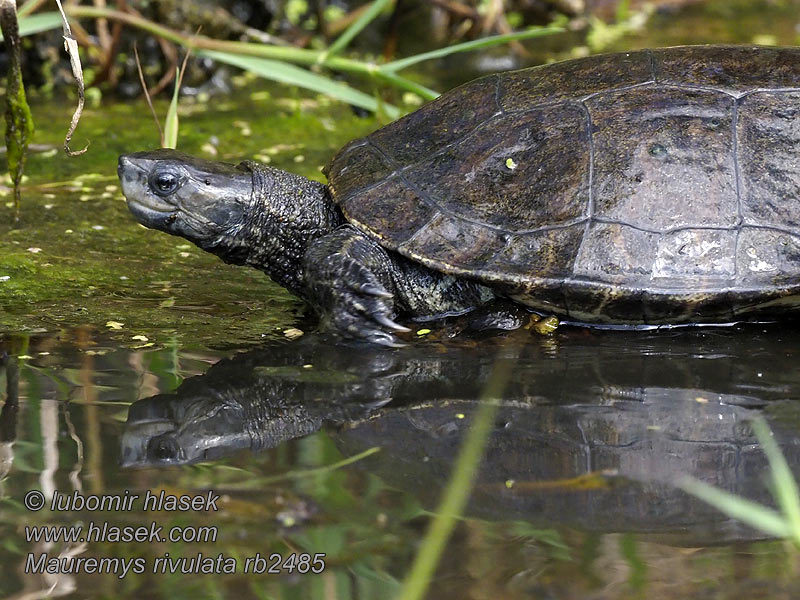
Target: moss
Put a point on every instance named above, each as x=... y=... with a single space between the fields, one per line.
x=19 y=121
x=79 y=258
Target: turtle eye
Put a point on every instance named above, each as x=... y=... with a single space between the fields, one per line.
x=164 y=183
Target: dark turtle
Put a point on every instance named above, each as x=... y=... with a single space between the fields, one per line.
x=649 y=187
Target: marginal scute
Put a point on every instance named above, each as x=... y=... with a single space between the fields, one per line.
x=603 y=302
x=615 y=253
x=769 y=302
x=769 y=158
x=575 y=80
x=732 y=69
x=767 y=257
x=452 y=244
x=543 y=255
x=546 y=295
x=438 y=124
x=687 y=305
x=707 y=256
x=519 y=172
x=664 y=158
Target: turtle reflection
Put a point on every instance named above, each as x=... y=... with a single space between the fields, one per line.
x=593 y=428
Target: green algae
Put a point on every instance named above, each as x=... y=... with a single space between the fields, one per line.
x=78 y=258
x=19 y=121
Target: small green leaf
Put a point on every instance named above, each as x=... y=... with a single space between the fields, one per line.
x=37 y=23
x=623 y=12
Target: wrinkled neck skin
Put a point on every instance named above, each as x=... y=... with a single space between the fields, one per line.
x=286 y=212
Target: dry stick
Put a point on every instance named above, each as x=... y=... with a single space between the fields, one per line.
x=503 y=27
x=103 y=35
x=343 y=22
x=147 y=93
x=493 y=9
x=182 y=70
x=170 y=54
x=29 y=7
x=71 y=46
x=495 y=21
x=106 y=71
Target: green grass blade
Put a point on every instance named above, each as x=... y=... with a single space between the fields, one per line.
x=286 y=73
x=459 y=487
x=402 y=83
x=37 y=23
x=785 y=491
x=376 y=8
x=757 y=516
x=171 y=122
x=495 y=40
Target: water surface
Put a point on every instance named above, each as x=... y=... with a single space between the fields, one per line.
x=576 y=494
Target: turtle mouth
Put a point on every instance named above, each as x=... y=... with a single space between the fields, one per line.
x=152 y=216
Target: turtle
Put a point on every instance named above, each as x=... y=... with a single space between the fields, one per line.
x=643 y=188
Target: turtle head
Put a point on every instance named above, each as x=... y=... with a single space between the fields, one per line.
x=200 y=200
x=250 y=214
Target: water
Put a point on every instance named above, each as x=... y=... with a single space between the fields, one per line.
x=576 y=496
x=126 y=373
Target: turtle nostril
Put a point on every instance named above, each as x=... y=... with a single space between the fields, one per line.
x=121 y=164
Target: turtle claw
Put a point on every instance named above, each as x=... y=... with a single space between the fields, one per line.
x=382 y=319
x=373 y=290
x=365 y=316
x=361 y=311
x=383 y=339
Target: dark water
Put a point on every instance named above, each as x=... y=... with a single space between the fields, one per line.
x=575 y=498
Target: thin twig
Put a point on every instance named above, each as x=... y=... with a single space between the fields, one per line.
x=167 y=50
x=103 y=34
x=147 y=93
x=183 y=64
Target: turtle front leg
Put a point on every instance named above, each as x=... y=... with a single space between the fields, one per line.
x=348 y=280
